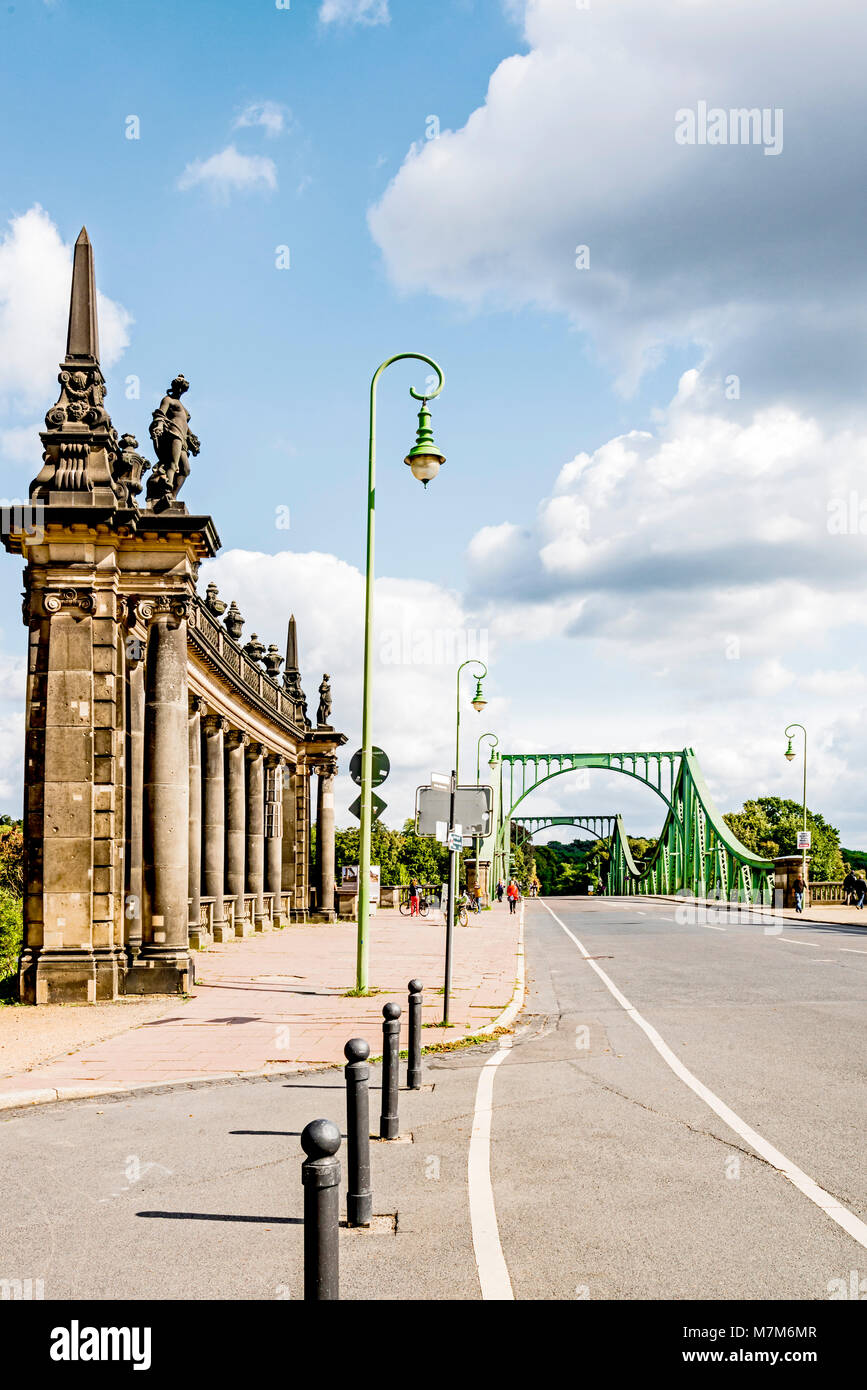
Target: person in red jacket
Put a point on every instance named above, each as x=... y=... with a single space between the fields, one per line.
x=513 y=893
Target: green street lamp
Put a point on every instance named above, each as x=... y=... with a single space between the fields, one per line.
x=424 y=460
x=478 y=702
x=789 y=755
x=479 y=742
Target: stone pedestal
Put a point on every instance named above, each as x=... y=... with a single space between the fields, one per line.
x=788 y=868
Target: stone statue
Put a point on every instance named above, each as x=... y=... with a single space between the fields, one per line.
x=323 y=714
x=128 y=469
x=173 y=442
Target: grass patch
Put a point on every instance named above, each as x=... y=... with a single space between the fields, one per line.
x=362 y=993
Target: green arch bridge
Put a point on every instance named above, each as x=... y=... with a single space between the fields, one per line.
x=696 y=853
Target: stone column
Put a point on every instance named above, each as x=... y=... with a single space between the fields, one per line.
x=236 y=823
x=199 y=936
x=134 y=796
x=325 y=838
x=256 y=831
x=274 y=834
x=164 y=964
x=296 y=908
x=302 y=838
x=214 y=849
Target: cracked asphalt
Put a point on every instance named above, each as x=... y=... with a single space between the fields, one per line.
x=612 y=1179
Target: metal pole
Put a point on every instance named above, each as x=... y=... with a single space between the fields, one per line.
x=388 y=1121
x=413 y=1066
x=320 y=1174
x=363 y=942
x=359 y=1197
x=450 y=909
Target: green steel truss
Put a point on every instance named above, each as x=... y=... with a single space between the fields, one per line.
x=600 y=827
x=696 y=853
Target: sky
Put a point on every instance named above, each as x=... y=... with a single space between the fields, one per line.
x=648 y=309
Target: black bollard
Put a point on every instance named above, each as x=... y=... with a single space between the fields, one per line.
x=388 y=1122
x=320 y=1174
x=359 y=1198
x=413 y=1066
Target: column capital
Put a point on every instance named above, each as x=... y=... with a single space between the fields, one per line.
x=216 y=724
x=255 y=751
x=326 y=767
x=198 y=706
x=155 y=606
x=236 y=738
x=82 y=600
x=275 y=760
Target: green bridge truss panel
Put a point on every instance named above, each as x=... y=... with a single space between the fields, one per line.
x=696 y=853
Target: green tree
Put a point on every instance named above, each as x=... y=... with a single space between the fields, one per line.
x=769 y=826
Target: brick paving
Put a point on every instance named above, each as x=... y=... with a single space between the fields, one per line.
x=278 y=1001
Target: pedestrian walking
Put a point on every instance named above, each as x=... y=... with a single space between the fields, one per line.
x=501 y=888
x=800 y=888
x=860 y=892
x=513 y=893
x=477 y=898
x=850 y=886
x=413 y=898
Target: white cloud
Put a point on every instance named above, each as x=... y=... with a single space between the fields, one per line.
x=35 y=274
x=709 y=245
x=270 y=115
x=354 y=12
x=230 y=172
x=415 y=621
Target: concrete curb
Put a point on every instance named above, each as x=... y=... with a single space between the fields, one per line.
x=20 y=1100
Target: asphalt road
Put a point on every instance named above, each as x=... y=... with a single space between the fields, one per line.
x=611 y=1177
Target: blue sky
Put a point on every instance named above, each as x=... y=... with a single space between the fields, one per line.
x=609 y=595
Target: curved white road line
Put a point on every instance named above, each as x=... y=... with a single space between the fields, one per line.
x=494 y=1278
x=829 y=1205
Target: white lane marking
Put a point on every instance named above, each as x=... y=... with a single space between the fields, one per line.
x=853 y=951
x=792 y=942
x=710 y=926
x=850 y=1223
x=494 y=1278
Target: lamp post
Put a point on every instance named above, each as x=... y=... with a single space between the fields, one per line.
x=789 y=755
x=478 y=780
x=478 y=703
x=424 y=459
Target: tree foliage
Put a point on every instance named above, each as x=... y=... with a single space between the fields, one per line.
x=769 y=826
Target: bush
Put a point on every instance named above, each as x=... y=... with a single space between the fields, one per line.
x=11 y=934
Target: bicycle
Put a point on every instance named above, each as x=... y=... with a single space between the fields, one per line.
x=405 y=906
x=462 y=916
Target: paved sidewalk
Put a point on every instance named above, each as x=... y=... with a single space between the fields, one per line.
x=277 y=1002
